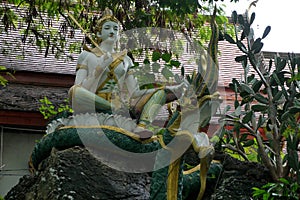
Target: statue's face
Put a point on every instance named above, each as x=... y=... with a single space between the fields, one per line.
x=110 y=31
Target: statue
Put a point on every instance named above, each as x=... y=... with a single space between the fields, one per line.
x=92 y=97
x=101 y=66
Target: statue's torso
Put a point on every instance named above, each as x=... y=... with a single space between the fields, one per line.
x=93 y=61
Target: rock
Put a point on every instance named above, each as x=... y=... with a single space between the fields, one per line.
x=238 y=179
x=75 y=174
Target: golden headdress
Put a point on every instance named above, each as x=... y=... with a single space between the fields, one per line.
x=107 y=15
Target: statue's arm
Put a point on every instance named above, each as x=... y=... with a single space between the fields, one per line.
x=82 y=72
x=81 y=68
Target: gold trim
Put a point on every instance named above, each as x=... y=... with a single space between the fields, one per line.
x=215 y=95
x=173 y=128
x=204 y=165
x=141 y=125
x=172 y=182
x=159 y=138
x=105 y=95
x=80 y=66
x=117 y=59
x=71 y=91
x=117 y=129
x=130 y=72
x=190 y=171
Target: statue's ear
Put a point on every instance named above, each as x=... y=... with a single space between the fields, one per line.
x=98 y=34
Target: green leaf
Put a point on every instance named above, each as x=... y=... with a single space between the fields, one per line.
x=248 y=143
x=252 y=18
x=261 y=121
x=259 y=48
x=283 y=180
x=146 y=61
x=257 y=45
x=240 y=58
x=156 y=56
x=135 y=64
x=238 y=111
x=166 y=57
x=270 y=64
x=280 y=64
x=232 y=87
x=241 y=20
x=251 y=78
x=246 y=88
x=261 y=99
x=247 y=117
x=246 y=98
x=2 y=68
x=182 y=71
x=258 y=192
x=277 y=80
x=259 y=108
x=243 y=137
x=188 y=78
x=236 y=104
x=234 y=17
x=266 y=32
x=277 y=96
x=243 y=35
x=257 y=85
x=175 y=63
x=229 y=39
x=294 y=110
x=285 y=116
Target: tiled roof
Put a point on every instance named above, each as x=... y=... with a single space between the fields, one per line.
x=18 y=56
x=36 y=62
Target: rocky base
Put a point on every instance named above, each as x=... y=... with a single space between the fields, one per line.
x=75 y=174
x=238 y=179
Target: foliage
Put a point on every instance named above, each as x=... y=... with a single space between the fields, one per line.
x=49 y=110
x=283 y=189
x=46 y=23
x=266 y=101
x=3 y=80
x=160 y=63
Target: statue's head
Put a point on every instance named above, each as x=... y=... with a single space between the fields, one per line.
x=106 y=25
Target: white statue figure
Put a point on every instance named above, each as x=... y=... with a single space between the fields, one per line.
x=99 y=67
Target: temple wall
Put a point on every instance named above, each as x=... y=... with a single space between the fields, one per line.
x=16 y=147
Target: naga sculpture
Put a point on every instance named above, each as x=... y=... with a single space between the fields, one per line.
x=96 y=124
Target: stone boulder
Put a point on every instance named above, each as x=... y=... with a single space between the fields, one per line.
x=75 y=174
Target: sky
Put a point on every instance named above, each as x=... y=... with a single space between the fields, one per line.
x=280 y=15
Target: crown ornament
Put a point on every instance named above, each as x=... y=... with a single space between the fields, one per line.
x=107 y=15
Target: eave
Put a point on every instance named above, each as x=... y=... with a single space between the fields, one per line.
x=22 y=119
